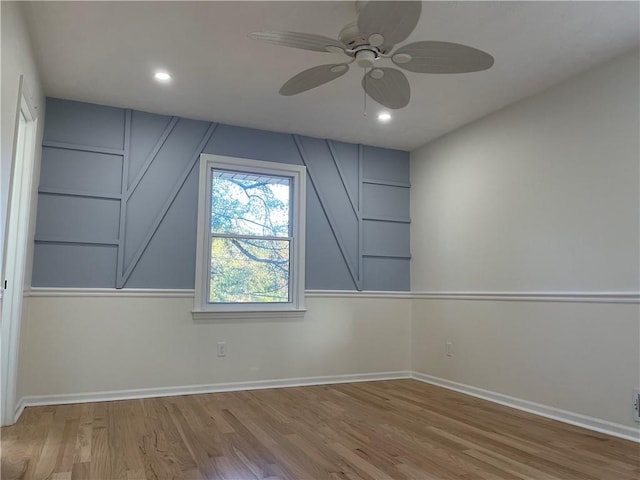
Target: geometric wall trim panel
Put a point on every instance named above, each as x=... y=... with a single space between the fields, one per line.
x=118 y=199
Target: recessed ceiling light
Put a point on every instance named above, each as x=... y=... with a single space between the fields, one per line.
x=162 y=76
x=384 y=117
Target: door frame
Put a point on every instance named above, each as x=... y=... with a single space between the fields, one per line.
x=16 y=246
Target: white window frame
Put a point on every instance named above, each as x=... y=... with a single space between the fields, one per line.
x=203 y=310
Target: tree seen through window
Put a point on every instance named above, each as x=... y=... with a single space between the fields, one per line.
x=250 y=239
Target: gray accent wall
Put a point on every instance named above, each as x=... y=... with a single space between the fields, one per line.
x=117 y=202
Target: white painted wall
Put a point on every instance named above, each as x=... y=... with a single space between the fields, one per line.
x=17 y=59
x=579 y=357
x=82 y=344
x=542 y=196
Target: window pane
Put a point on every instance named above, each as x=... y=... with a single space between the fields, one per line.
x=250 y=204
x=247 y=270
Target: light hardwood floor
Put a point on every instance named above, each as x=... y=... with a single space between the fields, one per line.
x=400 y=429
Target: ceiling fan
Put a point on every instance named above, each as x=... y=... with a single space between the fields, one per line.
x=371 y=38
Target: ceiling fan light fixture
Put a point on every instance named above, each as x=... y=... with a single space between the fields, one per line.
x=365 y=58
x=401 y=58
x=384 y=117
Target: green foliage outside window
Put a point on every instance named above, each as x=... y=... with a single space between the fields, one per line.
x=250 y=238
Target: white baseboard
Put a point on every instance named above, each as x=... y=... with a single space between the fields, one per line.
x=62 y=399
x=19 y=409
x=591 y=423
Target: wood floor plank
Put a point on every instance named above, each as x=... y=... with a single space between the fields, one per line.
x=67 y=452
x=83 y=439
x=100 y=465
x=400 y=430
x=81 y=471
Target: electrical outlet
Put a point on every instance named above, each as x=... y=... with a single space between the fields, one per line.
x=636 y=405
x=449 y=349
x=222 y=349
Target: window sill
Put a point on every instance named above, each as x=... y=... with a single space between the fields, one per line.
x=256 y=315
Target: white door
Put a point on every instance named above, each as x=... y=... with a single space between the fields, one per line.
x=15 y=251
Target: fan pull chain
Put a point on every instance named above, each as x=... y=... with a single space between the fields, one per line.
x=364 y=111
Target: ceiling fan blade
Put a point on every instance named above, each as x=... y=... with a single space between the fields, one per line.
x=441 y=57
x=393 y=20
x=313 y=77
x=305 y=41
x=388 y=87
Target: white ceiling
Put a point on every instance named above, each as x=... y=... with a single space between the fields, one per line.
x=105 y=52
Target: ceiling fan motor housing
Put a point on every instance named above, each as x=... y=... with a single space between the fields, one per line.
x=365 y=58
x=359 y=47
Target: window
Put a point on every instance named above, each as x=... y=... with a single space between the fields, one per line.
x=250 y=253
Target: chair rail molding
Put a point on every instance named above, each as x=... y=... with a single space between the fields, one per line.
x=575 y=297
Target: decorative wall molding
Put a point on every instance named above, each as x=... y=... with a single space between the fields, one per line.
x=83 y=148
x=387 y=183
x=76 y=241
x=124 y=181
x=382 y=254
x=127 y=270
x=574 y=297
x=149 y=174
x=131 y=187
x=64 y=192
x=334 y=156
x=354 y=271
x=361 y=211
x=41 y=400
x=189 y=293
x=378 y=218
x=565 y=416
x=356 y=294
x=107 y=292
